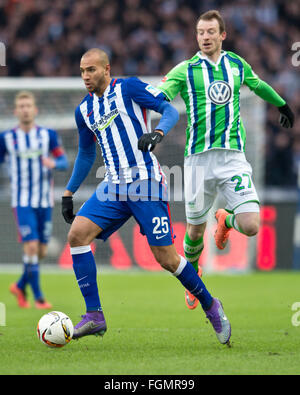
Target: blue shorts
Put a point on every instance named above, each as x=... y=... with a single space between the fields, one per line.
x=152 y=216
x=34 y=223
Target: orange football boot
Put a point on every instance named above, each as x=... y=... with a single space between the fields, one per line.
x=43 y=305
x=20 y=295
x=222 y=232
x=190 y=300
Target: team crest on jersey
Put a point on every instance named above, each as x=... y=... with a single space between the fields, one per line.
x=219 y=92
x=112 y=97
x=235 y=71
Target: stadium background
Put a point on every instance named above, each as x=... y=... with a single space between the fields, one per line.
x=45 y=39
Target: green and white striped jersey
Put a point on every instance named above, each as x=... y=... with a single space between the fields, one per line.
x=211 y=92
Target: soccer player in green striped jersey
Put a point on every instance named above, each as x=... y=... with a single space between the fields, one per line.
x=210 y=83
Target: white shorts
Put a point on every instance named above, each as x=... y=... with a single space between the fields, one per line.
x=218 y=170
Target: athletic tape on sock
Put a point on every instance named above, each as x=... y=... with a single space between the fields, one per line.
x=181 y=266
x=80 y=250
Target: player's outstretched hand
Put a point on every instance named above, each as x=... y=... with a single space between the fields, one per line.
x=148 y=141
x=286 y=118
x=48 y=162
x=67 y=209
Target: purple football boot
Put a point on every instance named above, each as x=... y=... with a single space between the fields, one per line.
x=92 y=323
x=219 y=321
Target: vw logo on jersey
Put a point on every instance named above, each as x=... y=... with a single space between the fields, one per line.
x=219 y=92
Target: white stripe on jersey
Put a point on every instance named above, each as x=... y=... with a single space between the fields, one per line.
x=230 y=104
x=207 y=105
x=45 y=172
x=192 y=112
x=24 y=168
x=35 y=169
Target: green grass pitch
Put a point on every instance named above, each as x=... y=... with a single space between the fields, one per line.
x=151 y=332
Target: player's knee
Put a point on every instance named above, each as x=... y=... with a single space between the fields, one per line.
x=169 y=265
x=195 y=232
x=75 y=238
x=31 y=248
x=251 y=228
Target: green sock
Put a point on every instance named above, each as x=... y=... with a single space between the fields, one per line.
x=192 y=250
x=231 y=222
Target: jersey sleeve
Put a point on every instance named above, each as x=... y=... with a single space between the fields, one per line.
x=55 y=144
x=146 y=95
x=173 y=82
x=3 y=150
x=86 y=154
x=86 y=136
x=260 y=87
x=250 y=78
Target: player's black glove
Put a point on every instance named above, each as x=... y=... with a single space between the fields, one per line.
x=286 y=118
x=148 y=141
x=67 y=209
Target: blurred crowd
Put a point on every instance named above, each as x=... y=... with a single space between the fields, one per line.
x=148 y=37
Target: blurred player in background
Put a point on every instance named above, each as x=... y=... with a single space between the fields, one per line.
x=115 y=113
x=209 y=83
x=29 y=149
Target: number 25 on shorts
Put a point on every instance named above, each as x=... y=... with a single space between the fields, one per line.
x=161 y=225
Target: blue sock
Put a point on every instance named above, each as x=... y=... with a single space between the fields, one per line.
x=33 y=276
x=86 y=274
x=23 y=280
x=189 y=278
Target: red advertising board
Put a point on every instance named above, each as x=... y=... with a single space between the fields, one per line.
x=234 y=257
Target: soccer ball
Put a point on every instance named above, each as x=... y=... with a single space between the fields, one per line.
x=55 y=329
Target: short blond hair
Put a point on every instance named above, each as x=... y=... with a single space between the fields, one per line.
x=24 y=95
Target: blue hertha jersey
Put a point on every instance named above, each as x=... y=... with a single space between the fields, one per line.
x=116 y=121
x=31 y=182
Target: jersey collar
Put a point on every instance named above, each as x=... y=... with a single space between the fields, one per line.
x=204 y=57
x=109 y=87
x=33 y=129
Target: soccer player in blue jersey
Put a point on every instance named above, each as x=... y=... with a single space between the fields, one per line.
x=32 y=152
x=115 y=113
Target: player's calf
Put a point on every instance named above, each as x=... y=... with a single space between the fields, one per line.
x=167 y=257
